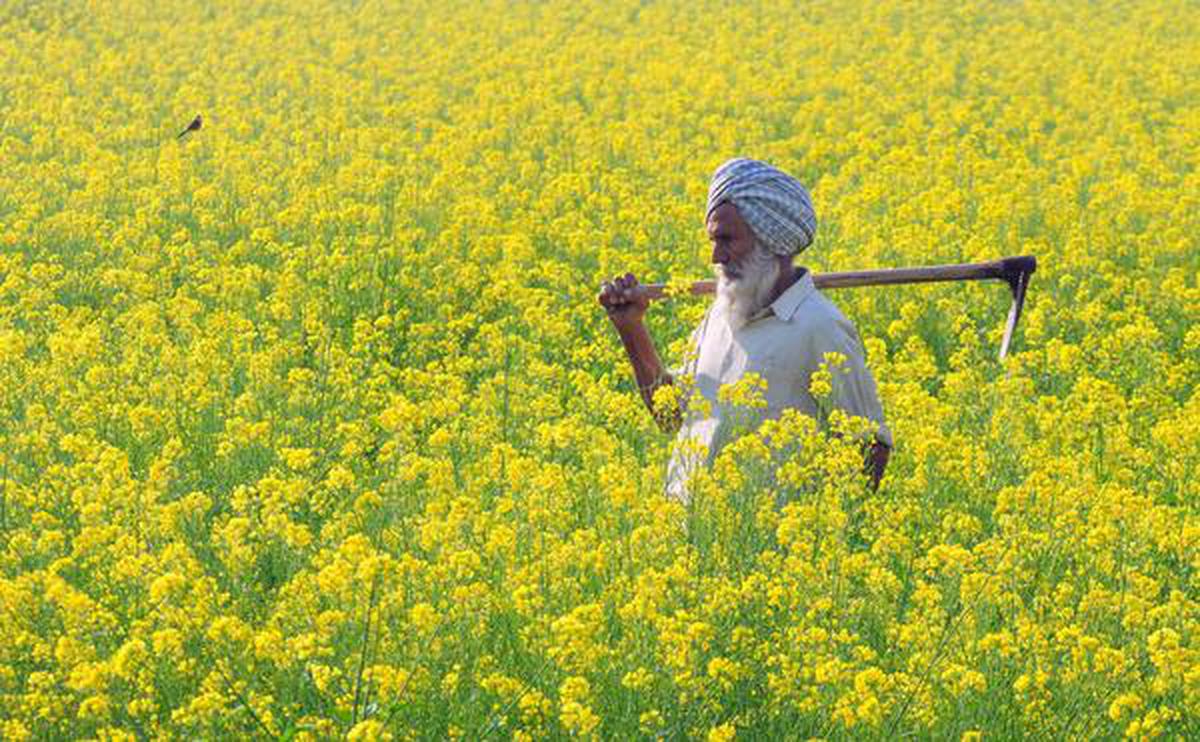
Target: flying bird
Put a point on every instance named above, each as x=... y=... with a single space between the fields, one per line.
x=194 y=126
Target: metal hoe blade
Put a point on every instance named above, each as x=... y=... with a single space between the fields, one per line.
x=1017 y=273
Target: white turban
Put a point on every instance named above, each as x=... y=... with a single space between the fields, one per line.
x=774 y=204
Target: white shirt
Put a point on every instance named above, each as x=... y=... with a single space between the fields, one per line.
x=785 y=343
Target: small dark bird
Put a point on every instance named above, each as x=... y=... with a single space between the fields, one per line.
x=194 y=126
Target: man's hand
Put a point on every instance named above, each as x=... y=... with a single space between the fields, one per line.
x=625 y=301
x=876 y=461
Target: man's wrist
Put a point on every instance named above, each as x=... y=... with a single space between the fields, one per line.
x=627 y=324
x=634 y=336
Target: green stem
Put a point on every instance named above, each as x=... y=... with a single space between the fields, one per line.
x=362 y=657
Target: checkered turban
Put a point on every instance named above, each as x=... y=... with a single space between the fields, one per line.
x=774 y=204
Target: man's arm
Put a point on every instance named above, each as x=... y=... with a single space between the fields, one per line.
x=626 y=303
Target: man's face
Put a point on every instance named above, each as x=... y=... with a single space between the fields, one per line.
x=731 y=238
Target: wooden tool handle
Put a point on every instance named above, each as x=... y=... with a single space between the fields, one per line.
x=1007 y=269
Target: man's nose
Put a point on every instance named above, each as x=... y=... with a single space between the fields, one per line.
x=720 y=255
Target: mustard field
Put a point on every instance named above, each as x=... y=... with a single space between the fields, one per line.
x=311 y=425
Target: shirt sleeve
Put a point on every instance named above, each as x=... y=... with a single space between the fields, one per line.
x=854 y=388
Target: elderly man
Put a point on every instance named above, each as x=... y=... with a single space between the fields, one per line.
x=767 y=318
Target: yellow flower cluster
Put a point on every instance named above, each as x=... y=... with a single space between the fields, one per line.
x=312 y=426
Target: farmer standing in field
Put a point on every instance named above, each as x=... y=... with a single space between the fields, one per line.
x=768 y=318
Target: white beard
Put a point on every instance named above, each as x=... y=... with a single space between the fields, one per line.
x=741 y=296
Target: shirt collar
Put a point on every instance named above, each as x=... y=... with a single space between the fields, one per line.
x=786 y=304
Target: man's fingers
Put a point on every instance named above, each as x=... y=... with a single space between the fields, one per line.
x=611 y=296
x=619 y=291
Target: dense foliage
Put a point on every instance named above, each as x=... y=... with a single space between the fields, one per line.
x=310 y=424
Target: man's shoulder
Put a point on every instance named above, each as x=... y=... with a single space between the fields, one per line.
x=816 y=314
x=818 y=326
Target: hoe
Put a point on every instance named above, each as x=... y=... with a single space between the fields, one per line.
x=1015 y=271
